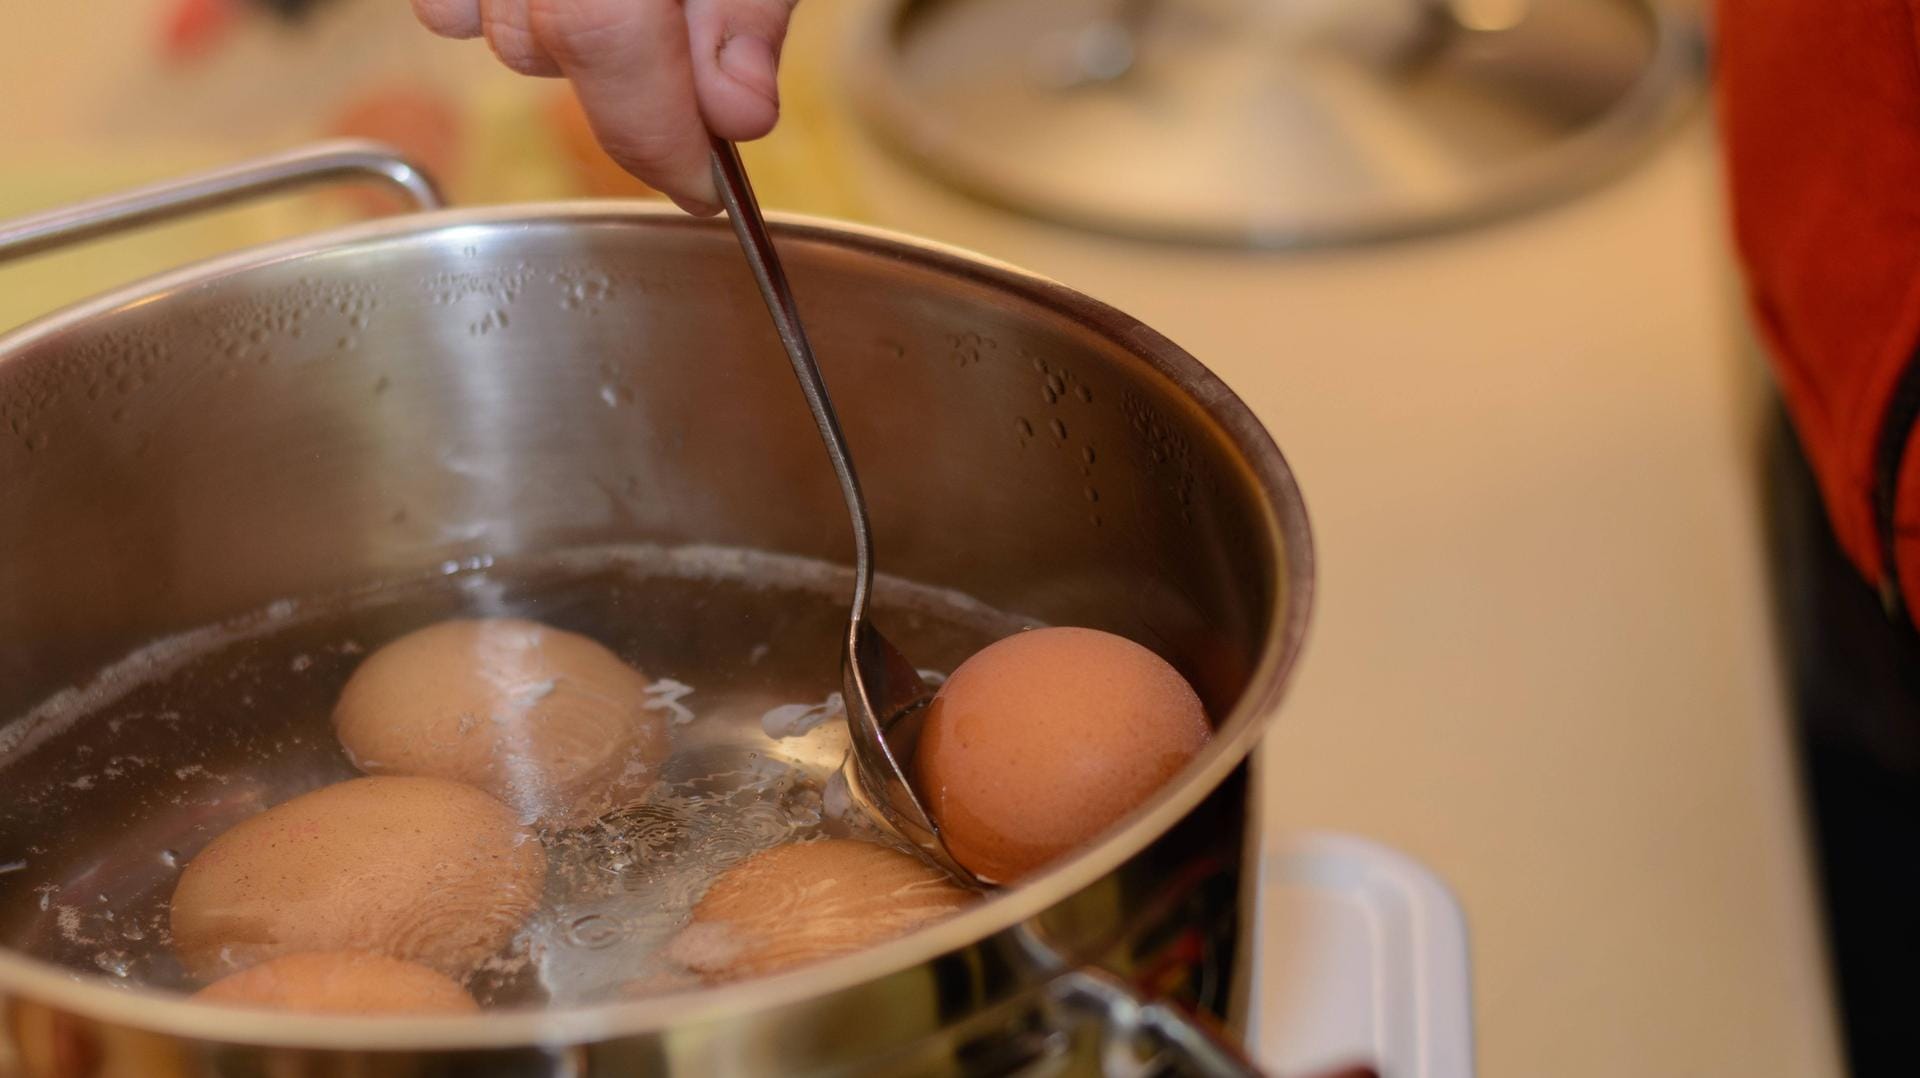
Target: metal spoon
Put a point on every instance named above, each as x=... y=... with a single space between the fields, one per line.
x=884 y=694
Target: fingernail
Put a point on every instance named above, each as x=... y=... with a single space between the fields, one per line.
x=748 y=60
x=695 y=206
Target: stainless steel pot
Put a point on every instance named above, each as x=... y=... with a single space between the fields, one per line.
x=199 y=444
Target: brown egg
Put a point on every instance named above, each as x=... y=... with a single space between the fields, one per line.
x=1039 y=742
x=809 y=901
x=420 y=869
x=341 y=982
x=547 y=721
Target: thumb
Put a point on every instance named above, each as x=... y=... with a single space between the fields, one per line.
x=736 y=57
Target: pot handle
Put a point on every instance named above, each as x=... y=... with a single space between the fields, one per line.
x=1094 y=993
x=322 y=162
x=1191 y=1046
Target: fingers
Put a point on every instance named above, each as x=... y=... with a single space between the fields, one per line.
x=653 y=77
x=628 y=61
x=449 y=18
x=736 y=53
x=510 y=36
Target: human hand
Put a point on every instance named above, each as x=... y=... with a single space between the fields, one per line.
x=654 y=76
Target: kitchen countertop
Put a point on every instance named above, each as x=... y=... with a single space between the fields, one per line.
x=1541 y=660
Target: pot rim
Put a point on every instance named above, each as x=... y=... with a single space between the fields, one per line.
x=1285 y=518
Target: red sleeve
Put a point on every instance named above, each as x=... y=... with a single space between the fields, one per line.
x=1820 y=112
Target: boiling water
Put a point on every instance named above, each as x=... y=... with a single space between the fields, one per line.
x=114 y=786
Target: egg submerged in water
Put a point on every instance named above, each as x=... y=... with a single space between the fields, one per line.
x=1042 y=740
x=548 y=721
x=340 y=982
x=808 y=901
x=418 y=869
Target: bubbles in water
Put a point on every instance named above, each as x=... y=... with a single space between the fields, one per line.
x=592 y=931
x=461 y=566
x=114 y=963
x=641 y=835
x=68 y=920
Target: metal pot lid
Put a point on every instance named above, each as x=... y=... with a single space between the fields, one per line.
x=1275 y=123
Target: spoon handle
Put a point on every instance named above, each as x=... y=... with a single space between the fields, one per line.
x=736 y=194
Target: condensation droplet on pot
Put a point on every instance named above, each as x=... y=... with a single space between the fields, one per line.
x=1059 y=429
x=1026 y=428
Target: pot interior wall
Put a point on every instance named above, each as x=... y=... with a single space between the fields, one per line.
x=374 y=409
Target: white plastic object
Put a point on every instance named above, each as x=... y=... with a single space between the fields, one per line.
x=1359 y=957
